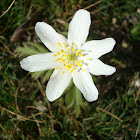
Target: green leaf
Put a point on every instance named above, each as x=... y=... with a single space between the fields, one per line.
x=39 y=47
x=78 y=104
x=26 y=50
x=47 y=75
x=70 y=98
x=37 y=74
x=76 y=110
x=31 y=48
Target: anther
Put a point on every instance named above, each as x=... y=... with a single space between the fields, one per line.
x=80 y=60
x=73 y=50
x=71 y=70
x=81 y=55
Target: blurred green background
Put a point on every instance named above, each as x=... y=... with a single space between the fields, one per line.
x=25 y=112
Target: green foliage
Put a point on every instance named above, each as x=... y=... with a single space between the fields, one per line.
x=25 y=112
x=74 y=101
x=135 y=32
x=31 y=49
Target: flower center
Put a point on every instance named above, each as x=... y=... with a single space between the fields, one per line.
x=70 y=56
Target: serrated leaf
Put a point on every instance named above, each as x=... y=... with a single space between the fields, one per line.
x=31 y=49
x=26 y=51
x=37 y=74
x=39 y=47
x=47 y=75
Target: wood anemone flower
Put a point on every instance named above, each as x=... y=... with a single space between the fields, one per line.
x=72 y=58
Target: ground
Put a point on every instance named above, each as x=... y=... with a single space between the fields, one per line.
x=25 y=112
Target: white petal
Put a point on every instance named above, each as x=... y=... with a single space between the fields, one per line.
x=99 y=47
x=97 y=67
x=57 y=84
x=49 y=36
x=79 y=27
x=84 y=83
x=39 y=62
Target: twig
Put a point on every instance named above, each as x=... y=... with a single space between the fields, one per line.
x=86 y=119
x=97 y=10
x=21 y=117
x=2 y=37
x=8 y=8
x=40 y=88
x=93 y=4
x=8 y=50
x=37 y=126
x=16 y=99
x=48 y=104
x=110 y=114
x=110 y=105
x=84 y=130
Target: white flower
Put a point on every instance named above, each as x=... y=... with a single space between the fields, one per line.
x=72 y=59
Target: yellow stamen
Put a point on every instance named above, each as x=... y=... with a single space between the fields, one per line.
x=55 y=55
x=74 y=44
x=56 y=68
x=63 y=72
x=64 y=43
x=80 y=60
x=71 y=70
x=63 y=56
x=80 y=64
x=79 y=51
x=58 y=53
x=81 y=55
x=73 y=50
x=68 y=49
x=84 y=70
x=62 y=51
x=87 y=59
x=60 y=58
x=60 y=68
x=76 y=63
